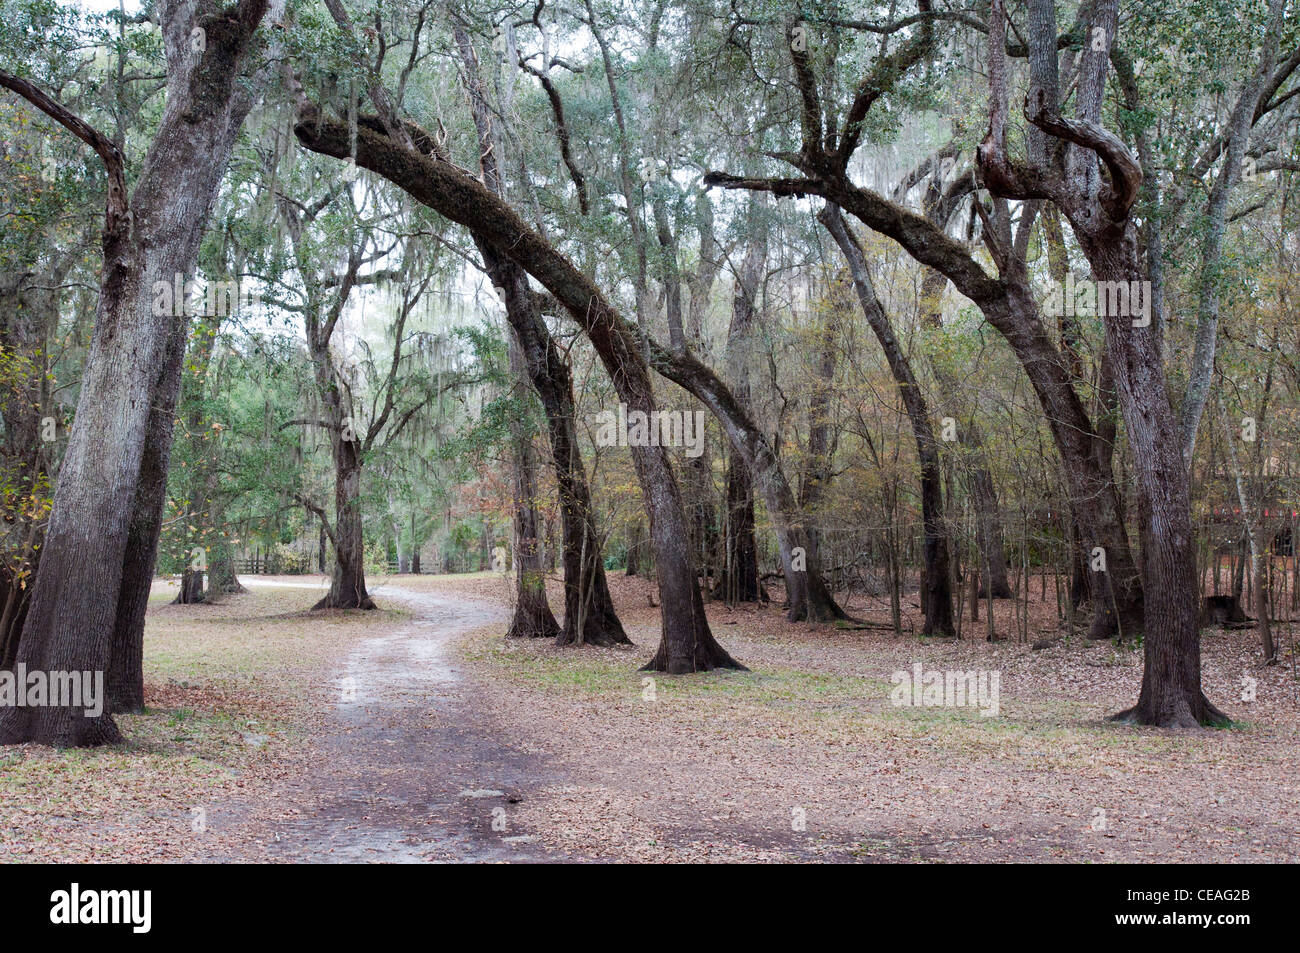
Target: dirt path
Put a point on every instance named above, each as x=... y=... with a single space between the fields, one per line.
x=411 y=768
x=431 y=734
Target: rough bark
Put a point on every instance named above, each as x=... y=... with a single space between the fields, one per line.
x=1100 y=212
x=125 y=677
x=71 y=621
x=348 y=581
x=533 y=618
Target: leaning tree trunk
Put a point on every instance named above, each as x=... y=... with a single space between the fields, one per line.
x=687 y=644
x=589 y=615
x=71 y=621
x=125 y=677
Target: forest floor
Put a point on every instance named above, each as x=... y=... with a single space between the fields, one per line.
x=418 y=733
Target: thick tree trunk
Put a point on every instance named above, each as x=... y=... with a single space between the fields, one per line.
x=533 y=618
x=125 y=677
x=71 y=622
x=191 y=588
x=1171 y=693
x=348 y=584
x=1094 y=498
x=1100 y=211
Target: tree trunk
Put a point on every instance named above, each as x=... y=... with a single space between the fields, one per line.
x=125 y=678
x=348 y=584
x=936 y=593
x=222 y=577
x=71 y=622
x=191 y=588
x=533 y=618
x=738 y=579
x=1171 y=693
x=634 y=537
x=686 y=645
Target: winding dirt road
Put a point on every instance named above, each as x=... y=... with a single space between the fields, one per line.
x=411 y=769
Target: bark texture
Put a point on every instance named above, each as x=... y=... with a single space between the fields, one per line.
x=71 y=623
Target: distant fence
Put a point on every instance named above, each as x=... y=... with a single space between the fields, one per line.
x=275 y=564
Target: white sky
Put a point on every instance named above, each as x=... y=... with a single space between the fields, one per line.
x=102 y=6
